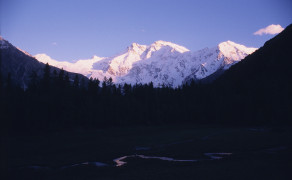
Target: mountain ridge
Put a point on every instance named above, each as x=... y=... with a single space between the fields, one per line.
x=162 y=62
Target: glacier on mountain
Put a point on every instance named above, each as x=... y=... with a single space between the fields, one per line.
x=163 y=63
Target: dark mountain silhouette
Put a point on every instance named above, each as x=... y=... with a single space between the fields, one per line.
x=20 y=65
x=273 y=60
x=261 y=84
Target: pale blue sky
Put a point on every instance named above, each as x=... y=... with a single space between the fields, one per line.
x=79 y=29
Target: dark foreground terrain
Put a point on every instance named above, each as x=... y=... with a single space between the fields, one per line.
x=250 y=153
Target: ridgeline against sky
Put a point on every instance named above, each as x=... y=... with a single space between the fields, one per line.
x=79 y=29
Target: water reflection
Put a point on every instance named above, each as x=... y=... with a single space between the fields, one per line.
x=119 y=161
x=212 y=156
x=217 y=155
x=97 y=164
x=122 y=161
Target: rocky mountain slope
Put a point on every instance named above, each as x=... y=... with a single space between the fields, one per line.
x=20 y=65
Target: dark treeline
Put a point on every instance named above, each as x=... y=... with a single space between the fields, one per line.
x=53 y=103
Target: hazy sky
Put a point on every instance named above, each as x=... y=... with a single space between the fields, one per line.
x=79 y=29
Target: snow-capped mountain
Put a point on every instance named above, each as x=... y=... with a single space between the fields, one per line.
x=161 y=62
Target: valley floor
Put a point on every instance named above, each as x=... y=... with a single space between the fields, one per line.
x=152 y=153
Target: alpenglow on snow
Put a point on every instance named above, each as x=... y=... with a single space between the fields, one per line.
x=163 y=63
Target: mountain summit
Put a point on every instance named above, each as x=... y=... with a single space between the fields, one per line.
x=163 y=63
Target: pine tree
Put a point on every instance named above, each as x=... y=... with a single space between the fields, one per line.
x=104 y=85
x=110 y=85
x=83 y=84
x=127 y=89
x=33 y=81
x=8 y=82
x=90 y=86
x=110 y=82
x=61 y=75
x=46 y=77
x=76 y=81
x=151 y=85
x=67 y=80
x=1 y=83
x=105 y=81
x=55 y=77
x=90 y=83
x=96 y=84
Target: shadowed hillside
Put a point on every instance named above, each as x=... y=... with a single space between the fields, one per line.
x=261 y=84
x=20 y=66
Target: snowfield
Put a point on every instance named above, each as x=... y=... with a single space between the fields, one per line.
x=163 y=63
